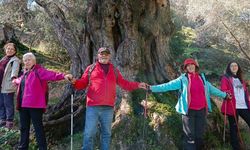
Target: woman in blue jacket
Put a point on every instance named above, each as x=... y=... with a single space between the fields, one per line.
x=193 y=103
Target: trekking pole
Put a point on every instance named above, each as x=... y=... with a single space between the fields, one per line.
x=145 y=105
x=145 y=117
x=225 y=123
x=71 y=122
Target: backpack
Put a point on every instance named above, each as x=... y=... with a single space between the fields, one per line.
x=44 y=85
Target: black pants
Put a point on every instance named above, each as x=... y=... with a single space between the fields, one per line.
x=26 y=115
x=234 y=138
x=194 y=124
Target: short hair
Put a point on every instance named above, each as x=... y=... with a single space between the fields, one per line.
x=10 y=43
x=29 y=55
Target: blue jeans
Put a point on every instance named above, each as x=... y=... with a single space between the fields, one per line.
x=95 y=115
x=7 y=106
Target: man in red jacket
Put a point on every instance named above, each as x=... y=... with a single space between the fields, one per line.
x=100 y=81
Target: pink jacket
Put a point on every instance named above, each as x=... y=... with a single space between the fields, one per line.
x=34 y=90
x=102 y=90
x=229 y=106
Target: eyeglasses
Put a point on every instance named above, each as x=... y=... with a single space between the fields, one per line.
x=10 y=48
x=104 y=53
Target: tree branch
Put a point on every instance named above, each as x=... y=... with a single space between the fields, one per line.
x=61 y=27
x=236 y=39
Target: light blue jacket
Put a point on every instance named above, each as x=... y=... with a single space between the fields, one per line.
x=181 y=83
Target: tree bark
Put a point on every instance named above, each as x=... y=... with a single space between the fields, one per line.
x=138 y=34
x=8 y=33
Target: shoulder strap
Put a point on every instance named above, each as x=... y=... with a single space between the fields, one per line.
x=203 y=79
x=91 y=68
x=116 y=73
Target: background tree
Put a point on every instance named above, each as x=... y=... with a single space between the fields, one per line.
x=17 y=15
x=221 y=23
x=71 y=31
x=138 y=38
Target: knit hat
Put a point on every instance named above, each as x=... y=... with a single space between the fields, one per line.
x=190 y=61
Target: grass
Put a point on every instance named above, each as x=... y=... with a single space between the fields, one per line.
x=65 y=143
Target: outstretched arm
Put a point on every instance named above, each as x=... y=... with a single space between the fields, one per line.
x=81 y=83
x=128 y=85
x=49 y=75
x=215 y=91
x=170 y=86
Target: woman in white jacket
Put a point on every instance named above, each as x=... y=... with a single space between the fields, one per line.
x=9 y=68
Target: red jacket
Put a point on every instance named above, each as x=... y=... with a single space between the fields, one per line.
x=229 y=106
x=102 y=88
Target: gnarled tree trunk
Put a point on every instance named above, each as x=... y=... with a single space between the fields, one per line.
x=138 y=33
x=7 y=33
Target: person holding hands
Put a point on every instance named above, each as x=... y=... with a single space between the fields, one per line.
x=100 y=80
x=193 y=103
x=233 y=82
x=32 y=101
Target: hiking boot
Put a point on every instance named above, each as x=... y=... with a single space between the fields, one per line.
x=2 y=123
x=9 y=124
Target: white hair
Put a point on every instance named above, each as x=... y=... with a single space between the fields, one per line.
x=29 y=55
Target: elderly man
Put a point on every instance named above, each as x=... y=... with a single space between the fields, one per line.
x=101 y=79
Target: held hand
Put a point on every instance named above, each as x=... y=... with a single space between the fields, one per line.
x=143 y=85
x=248 y=83
x=143 y=103
x=73 y=81
x=229 y=96
x=14 y=82
x=148 y=89
x=68 y=77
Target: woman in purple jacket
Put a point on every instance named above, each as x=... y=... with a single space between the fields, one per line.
x=31 y=99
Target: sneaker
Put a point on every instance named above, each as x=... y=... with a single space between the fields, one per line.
x=9 y=124
x=2 y=123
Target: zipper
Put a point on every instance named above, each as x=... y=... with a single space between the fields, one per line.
x=189 y=94
x=105 y=78
x=203 y=80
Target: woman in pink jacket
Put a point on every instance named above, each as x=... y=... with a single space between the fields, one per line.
x=31 y=99
x=233 y=82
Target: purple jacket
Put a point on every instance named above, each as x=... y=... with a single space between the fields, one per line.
x=34 y=92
